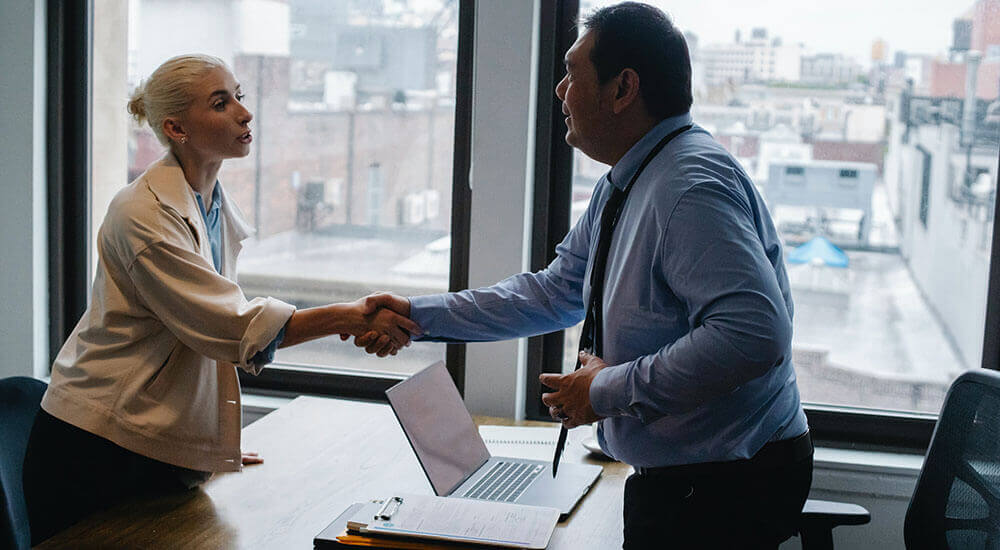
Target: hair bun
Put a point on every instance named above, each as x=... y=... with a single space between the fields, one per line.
x=137 y=105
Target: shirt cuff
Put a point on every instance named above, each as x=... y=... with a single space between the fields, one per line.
x=609 y=391
x=423 y=312
x=266 y=355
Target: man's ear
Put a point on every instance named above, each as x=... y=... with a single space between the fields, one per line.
x=627 y=91
x=173 y=130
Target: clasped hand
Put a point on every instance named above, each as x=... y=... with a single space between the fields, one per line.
x=570 y=403
x=389 y=326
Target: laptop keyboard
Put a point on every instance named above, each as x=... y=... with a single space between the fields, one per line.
x=504 y=482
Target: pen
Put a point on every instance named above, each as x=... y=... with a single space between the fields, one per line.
x=562 y=430
x=385 y=513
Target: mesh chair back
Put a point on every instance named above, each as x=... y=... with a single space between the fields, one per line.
x=956 y=503
x=19 y=401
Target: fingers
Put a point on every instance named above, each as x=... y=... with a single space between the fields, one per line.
x=366 y=339
x=381 y=347
x=551 y=380
x=409 y=325
x=388 y=300
x=551 y=399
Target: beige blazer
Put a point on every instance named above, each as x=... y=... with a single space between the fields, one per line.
x=150 y=366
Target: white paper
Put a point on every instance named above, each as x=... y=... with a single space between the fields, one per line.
x=478 y=521
x=531 y=442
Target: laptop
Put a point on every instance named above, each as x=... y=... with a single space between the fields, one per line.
x=456 y=461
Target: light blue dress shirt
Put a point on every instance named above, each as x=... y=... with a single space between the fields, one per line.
x=697 y=308
x=214 y=230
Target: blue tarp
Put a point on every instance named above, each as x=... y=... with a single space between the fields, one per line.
x=818 y=250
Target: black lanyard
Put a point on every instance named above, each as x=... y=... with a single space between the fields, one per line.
x=590 y=339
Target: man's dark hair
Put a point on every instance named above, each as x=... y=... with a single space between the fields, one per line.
x=641 y=37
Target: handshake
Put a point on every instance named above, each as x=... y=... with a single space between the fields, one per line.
x=386 y=327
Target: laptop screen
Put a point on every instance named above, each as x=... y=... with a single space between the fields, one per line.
x=439 y=427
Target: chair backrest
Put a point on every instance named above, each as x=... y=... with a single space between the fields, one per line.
x=19 y=401
x=956 y=503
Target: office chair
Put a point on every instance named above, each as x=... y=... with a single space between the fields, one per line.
x=819 y=517
x=956 y=503
x=19 y=402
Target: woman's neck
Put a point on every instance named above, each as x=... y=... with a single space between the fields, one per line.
x=201 y=174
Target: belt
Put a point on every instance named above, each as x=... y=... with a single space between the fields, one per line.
x=775 y=454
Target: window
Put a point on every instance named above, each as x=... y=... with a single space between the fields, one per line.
x=925 y=183
x=354 y=110
x=888 y=333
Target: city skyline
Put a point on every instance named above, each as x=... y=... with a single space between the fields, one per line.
x=820 y=28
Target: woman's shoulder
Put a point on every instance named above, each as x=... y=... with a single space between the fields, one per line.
x=138 y=218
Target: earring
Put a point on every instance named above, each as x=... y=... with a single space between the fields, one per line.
x=184 y=139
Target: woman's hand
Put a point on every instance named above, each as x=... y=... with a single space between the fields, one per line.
x=367 y=316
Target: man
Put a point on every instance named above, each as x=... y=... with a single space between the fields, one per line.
x=694 y=384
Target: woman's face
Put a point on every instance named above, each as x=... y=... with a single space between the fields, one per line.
x=217 y=125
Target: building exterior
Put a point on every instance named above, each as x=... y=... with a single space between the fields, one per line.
x=756 y=60
x=829 y=69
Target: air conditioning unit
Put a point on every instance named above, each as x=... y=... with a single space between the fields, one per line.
x=432 y=203
x=414 y=209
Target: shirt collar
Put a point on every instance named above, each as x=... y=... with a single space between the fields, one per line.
x=625 y=168
x=216 y=200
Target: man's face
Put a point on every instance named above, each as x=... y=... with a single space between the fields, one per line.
x=584 y=100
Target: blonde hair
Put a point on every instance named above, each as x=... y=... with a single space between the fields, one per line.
x=167 y=92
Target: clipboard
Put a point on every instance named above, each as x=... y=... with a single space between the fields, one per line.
x=421 y=518
x=336 y=536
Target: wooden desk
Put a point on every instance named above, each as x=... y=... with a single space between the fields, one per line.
x=320 y=455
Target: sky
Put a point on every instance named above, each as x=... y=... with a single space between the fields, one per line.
x=828 y=26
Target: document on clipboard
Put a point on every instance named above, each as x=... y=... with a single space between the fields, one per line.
x=457 y=520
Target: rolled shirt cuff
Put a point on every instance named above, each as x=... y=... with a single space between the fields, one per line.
x=264 y=327
x=609 y=391
x=424 y=312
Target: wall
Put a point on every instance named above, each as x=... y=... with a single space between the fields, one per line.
x=950 y=257
x=501 y=182
x=24 y=306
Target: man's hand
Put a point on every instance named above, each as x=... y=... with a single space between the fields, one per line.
x=570 y=403
x=386 y=311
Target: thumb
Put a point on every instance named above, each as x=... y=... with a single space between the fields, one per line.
x=551 y=380
x=372 y=302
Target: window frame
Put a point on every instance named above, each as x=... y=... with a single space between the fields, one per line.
x=834 y=426
x=69 y=52
x=68 y=158
x=553 y=183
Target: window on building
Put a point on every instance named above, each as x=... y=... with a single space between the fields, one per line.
x=354 y=117
x=925 y=183
x=892 y=329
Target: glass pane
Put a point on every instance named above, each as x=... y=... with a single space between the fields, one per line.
x=872 y=133
x=348 y=183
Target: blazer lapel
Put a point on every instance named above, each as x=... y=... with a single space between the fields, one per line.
x=166 y=180
x=235 y=230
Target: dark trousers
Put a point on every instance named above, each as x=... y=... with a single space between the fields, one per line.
x=751 y=503
x=71 y=473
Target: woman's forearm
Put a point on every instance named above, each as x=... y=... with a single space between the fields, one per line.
x=317 y=322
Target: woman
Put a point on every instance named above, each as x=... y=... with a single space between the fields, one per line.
x=144 y=396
